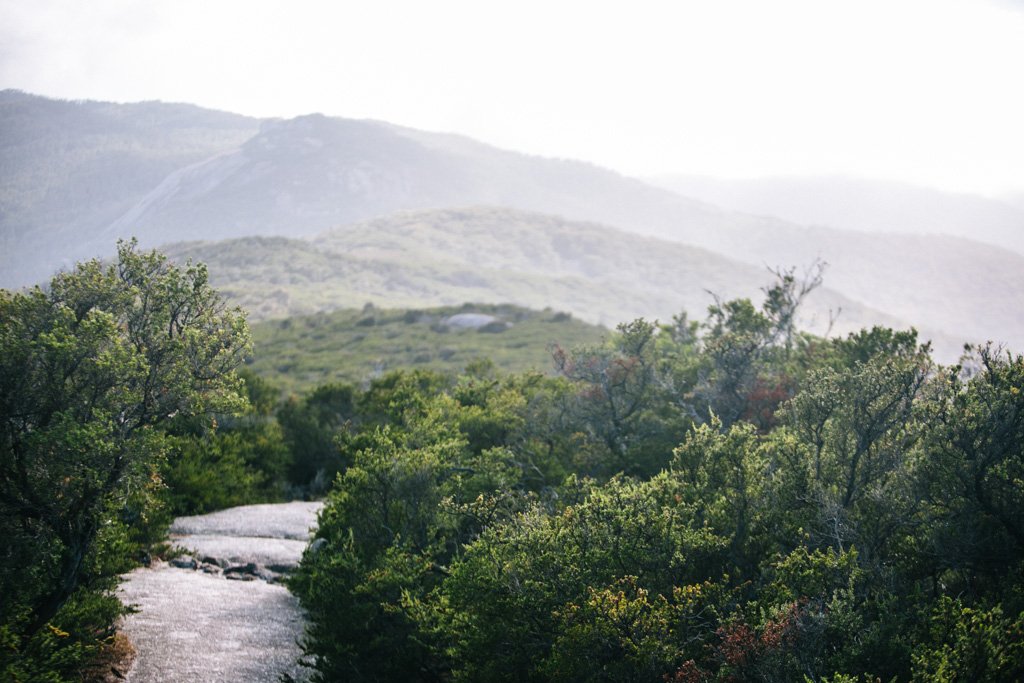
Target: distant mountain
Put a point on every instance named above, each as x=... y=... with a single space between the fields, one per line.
x=865 y=205
x=70 y=169
x=304 y=175
x=493 y=255
x=235 y=177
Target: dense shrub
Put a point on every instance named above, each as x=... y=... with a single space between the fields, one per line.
x=732 y=502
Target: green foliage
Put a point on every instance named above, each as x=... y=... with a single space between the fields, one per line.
x=620 y=633
x=620 y=402
x=857 y=427
x=300 y=353
x=972 y=474
x=721 y=477
x=970 y=644
x=513 y=583
x=427 y=472
x=746 y=365
x=853 y=514
x=92 y=370
x=228 y=459
x=310 y=427
x=224 y=469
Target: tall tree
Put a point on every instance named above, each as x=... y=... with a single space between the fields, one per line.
x=90 y=369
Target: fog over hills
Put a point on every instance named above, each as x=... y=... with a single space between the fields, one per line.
x=70 y=169
x=78 y=175
x=860 y=204
x=303 y=175
x=1015 y=199
x=499 y=255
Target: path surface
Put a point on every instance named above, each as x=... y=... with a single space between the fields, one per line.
x=222 y=616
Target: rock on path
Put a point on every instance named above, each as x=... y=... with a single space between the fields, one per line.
x=198 y=625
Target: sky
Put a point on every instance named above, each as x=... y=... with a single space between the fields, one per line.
x=929 y=92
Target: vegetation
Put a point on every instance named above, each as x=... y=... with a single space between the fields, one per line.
x=352 y=346
x=93 y=372
x=724 y=501
x=243 y=460
x=445 y=257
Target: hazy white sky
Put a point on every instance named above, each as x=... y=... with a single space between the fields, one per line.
x=925 y=91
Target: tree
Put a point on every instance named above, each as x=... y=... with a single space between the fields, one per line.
x=858 y=428
x=621 y=402
x=972 y=473
x=310 y=427
x=747 y=352
x=90 y=370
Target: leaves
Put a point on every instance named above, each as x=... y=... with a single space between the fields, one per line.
x=91 y=370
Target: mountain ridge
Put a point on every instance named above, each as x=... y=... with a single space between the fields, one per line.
x=218 y=175
x=860 y=204
x=499 y=255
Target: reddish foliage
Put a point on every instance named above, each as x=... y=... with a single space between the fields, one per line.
x=764 y=399
x=741 y=648
x=689 y=672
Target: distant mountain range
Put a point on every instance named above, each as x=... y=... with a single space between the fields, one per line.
x=77 y=175
x=68 y=170
x=866 y=205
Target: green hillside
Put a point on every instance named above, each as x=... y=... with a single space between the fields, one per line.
x=354 y=345
x=419 y=259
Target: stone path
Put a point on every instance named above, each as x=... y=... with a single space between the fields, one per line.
x=219 y=615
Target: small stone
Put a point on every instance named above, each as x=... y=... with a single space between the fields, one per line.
x=248 y=568
x=209 y=559
x=184 y=562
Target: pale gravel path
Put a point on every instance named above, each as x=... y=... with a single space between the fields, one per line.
x=194 y=626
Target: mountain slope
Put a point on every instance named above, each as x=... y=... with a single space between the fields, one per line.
x=859 y=204
x=304 y=175
x=494 y=255
x=69 y=169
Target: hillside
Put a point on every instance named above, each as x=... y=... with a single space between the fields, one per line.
x=311 y=173
x=299 y=177
x=69 y=169
x=860 y=204
x=446 y=257
x=352 y=346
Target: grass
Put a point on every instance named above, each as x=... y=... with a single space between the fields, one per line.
x=353 y=346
